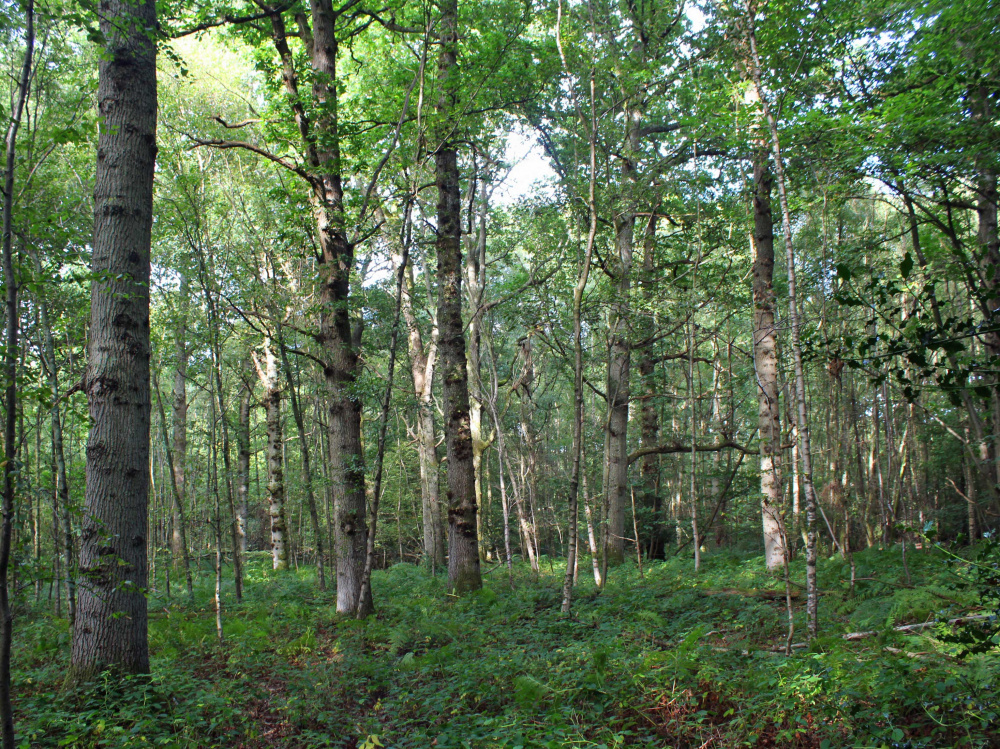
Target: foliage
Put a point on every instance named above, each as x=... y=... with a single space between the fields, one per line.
x=669 y=658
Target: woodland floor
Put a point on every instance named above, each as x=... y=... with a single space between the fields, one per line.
x=673 y=659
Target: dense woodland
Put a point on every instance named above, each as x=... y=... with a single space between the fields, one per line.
x=576 y=373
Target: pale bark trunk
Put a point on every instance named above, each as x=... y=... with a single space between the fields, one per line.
x=475 y=277
x=988 y=239
x=970 y=494
x=695 y=534
x=802 y=421
x=179 y=408
x=243 y=464
x=529 y=454
x=111 y=621
x=591 y=538
x=463 y=555
x=422 y=363
x=275 y=459
x=212 y=480
x=619 y=356
x=649 y=470
x=365 y=605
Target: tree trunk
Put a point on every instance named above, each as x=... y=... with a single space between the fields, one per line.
x=802 y=420
x=320 y=140
x=475 y=279
x=422 y=363
x=529 y=451
x=12 y=314
x=111 y=621
x=275 y=458
x=463 y=554
x=179 y=408
x=347 y=458
x=177 y=514
x=765 y=349
x=583 y=274
x=649 y=470
x=619 y=353
x=306 y=466
x=243 y=464
x=58 y=452
x=206 y=266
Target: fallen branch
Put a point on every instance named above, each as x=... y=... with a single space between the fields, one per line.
x=915 y=627
x=768 y=595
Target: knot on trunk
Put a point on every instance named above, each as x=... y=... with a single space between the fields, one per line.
x=463 y=520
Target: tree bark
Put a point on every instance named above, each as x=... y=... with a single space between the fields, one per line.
x=275 y=458
x=243 y=464
x=463 y=553
x=179 y=408
x=111 y=623
x=765 y=349
x=10 y=357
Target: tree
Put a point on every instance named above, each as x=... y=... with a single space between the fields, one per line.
x=12 y=318
x=110 y=626
x=463 y=551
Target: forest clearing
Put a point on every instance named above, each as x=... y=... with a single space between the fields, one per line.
x=495 y=373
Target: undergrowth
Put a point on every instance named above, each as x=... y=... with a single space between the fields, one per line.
x=671 y=659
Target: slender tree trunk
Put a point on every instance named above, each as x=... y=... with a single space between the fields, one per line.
x=177 y=516
x=988 y=239
x=62 y=496
x=802 y=422
x=475 y=282
x=970 y=494
x=306 y=466
x=463 y=555
x=591 y=538
x=275 y=458
x=649 y=470
x=365 y=605
x=422 y=363
x=765 y=349
x=583 y=274
x=243 y=463
x=179 y=408
x=213 y=483
x=111 y=620
x=10 y=357
x=528 y=449
x=206 y=265
x=695 y=534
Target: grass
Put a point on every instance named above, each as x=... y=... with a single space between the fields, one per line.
x=672 y=659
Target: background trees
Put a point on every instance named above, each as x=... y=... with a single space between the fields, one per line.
x=612 y=330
